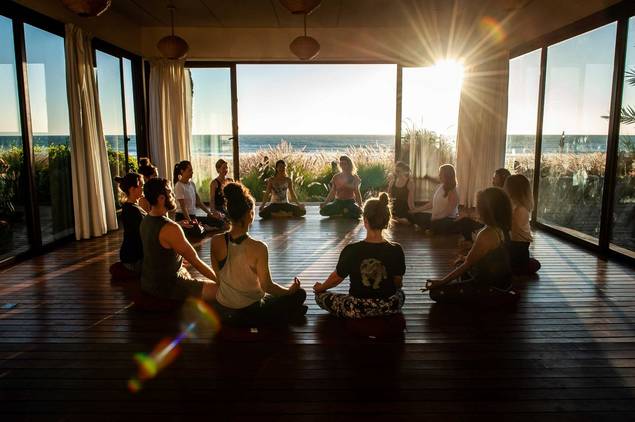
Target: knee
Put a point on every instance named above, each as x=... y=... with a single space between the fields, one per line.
x=300 y=295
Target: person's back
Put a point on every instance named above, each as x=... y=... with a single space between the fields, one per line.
x=372 y=268
x=131 y=248
x=494 y=269
x=239 y=283
x=161 y=267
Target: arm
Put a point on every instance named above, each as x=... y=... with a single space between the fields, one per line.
x=332 y=280
x=202 y=206
x=411 y=195
x=262 y=270
x=358 y=194
x=212 y=194
x=184 y=210
x=424 y=207
x=331 y=194
x=267 y=196
x=292 y=195
x=172 y=234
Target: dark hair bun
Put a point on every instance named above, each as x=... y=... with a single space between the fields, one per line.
x=130 y=180
x=239 y=200
x=383 y=199
x=144 y=161
x=118 y=179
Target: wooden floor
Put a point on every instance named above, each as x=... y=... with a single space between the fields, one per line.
x=566 y=353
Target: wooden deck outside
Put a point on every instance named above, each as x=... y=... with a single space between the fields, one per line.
x=566 y=353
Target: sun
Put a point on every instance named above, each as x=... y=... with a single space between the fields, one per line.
x=449 y=73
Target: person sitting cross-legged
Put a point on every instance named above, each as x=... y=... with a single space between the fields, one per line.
x=247 y=295
x=344 y=197
x=375 y=266
x=277 y=188
x=165 y=246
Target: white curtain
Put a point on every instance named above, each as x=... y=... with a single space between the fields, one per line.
x=170 y=98
x=480 y=145
x=93 y=198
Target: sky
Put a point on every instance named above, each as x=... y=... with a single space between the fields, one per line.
x=332 y=99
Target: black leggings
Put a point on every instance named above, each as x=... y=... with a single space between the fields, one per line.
x=286 y=207
x=464 y=226
x=268 y=310
x=521 y=262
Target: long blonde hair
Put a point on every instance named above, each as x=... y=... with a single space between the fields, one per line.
x=447 y=172
x=350 y=162
x=519 y=190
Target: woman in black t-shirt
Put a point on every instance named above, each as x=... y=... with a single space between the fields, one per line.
x=131 y=252
x=375 y=267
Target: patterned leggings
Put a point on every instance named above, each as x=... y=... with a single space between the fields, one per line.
x=347 y=306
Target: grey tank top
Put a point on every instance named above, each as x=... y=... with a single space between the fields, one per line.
x=161 y=267
x=239 y=285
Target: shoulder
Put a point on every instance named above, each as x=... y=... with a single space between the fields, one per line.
x=213 y=183
x=170 y=228
x=217 y=240
x=356 y=178
x=288 y=180
x=487 y=236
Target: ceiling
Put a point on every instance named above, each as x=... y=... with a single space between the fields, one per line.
x=331 y=14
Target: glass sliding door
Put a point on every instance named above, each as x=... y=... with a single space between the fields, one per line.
x=211 y=125
x=13 y=194
x=575 y=130
x=623 y=227
x=46 y=73
x=522 y=114
x=131 y=127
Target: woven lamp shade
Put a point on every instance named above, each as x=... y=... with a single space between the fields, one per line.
x=173 y=47
x=300 y=7
x=87 y=8
x=305 y=48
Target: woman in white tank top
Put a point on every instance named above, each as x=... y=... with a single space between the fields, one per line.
x=246 y=294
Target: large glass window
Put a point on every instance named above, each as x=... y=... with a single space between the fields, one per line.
x=310 y=114
x=575 y=128
x=131 y=129
x=13 y=233
x=211 y=125
x=524 y=85
x=49 y=121
x=623 y=229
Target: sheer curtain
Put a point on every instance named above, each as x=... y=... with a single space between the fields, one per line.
x=93 y=199
x=170 y=98
x=480 y=144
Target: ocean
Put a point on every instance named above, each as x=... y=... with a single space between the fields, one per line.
x=222 y=145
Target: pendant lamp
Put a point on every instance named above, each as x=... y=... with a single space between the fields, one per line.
x=172 y=46
x=87 y=8
x=305 y=47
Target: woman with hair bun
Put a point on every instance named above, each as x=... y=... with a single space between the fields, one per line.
x=247 y=295
x=131 y=252
x=401 y=189
x=375 y=266
x=277 y=188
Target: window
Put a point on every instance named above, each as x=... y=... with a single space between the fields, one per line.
x=575 y=129
x=13 y=230
x=46 y=71
x=524 y=81
x=623 y=228
x=131 y=127
x=211 y=125
x=308 y=115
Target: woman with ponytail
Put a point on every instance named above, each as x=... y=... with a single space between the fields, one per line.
x=148 y=171
x=247 y=295
x=131 y=252
x=375 y=266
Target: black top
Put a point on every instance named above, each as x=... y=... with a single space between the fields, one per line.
x=399 y=197
x=219 y=198
x=494 y=268
x=131 y=249
x=372 y=268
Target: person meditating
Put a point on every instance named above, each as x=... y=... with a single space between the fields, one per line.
x=165 y=246
x=148 y=171
x=277 y=188
x=188 y=202
x=131 y=252
x=247 y=295
x=519 y=191
x=217 y=203
x=439 y=214
x=500 y=175
x=401 y=188
x=486 y=269
x=375 y=266
x=344 y=193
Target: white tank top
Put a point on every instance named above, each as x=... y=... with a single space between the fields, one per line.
x=521 y=230
x=239 y=284
x=440 y=204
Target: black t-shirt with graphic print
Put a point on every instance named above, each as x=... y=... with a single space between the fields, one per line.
x=372 y=268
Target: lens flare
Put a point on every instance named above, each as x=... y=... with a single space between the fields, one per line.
x=493 y=28
x=168 y=349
